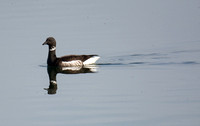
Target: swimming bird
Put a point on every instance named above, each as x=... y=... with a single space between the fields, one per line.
x=68 y=60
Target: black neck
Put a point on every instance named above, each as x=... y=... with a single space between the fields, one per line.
x=51 y=58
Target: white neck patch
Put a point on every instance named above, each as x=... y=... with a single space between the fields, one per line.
x=53 y=48
x=53 y=81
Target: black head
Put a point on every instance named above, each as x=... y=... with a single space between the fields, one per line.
x=50 y=41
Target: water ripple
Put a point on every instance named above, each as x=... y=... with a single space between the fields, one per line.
x=170 y=58
x=110 y=64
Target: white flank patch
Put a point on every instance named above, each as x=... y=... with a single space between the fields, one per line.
x=91 y=60
x=53 y=48
x=71 y=63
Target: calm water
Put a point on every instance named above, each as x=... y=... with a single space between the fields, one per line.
x=148 y=74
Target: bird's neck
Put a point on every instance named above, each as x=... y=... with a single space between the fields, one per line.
x=51 y=56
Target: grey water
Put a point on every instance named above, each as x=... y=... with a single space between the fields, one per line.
x=148 y=73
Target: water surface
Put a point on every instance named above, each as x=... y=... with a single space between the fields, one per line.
x=148 y=73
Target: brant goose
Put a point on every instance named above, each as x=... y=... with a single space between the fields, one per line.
x=53 y=71
x=69 y=60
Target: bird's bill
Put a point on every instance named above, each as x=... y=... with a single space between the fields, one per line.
x=45 y=43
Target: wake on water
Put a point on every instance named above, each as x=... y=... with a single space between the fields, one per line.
x=182 y=57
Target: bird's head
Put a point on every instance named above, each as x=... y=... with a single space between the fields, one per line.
x=50 y=41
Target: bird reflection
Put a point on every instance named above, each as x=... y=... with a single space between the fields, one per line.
x=53 y=71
